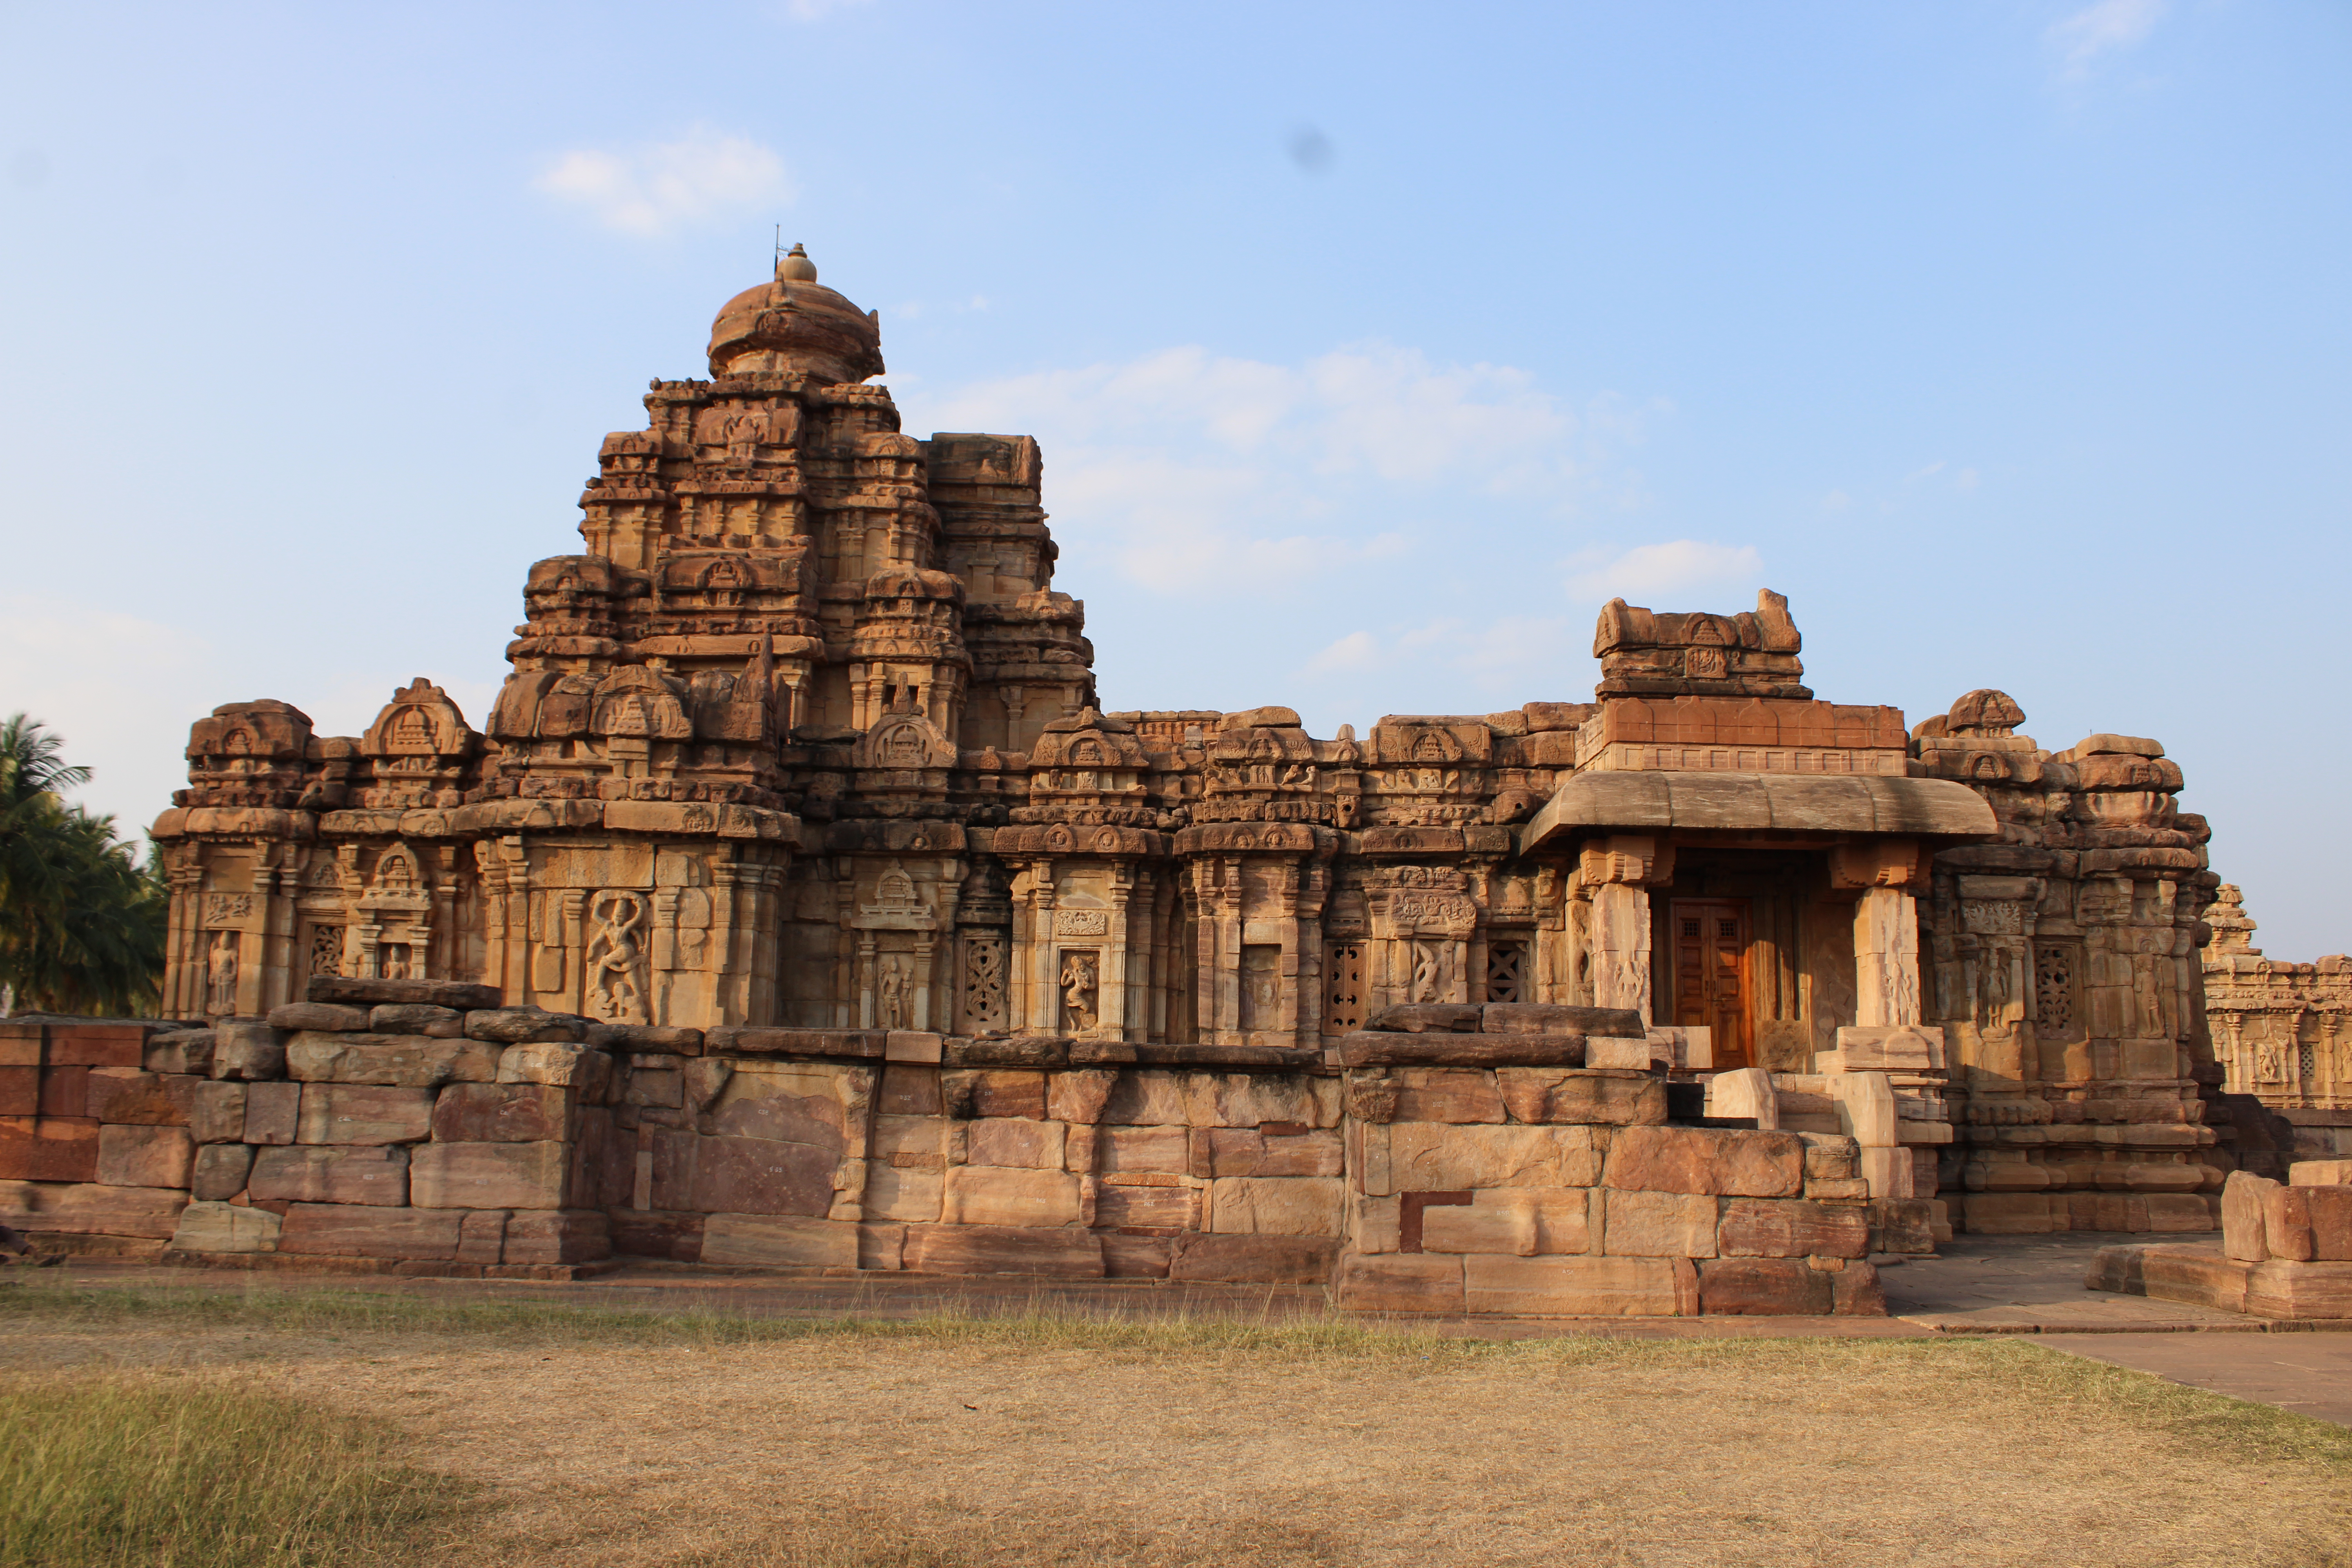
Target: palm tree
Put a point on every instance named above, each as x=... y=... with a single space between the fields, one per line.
x=81 y=921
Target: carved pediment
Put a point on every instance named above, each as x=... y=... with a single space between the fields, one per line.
x=419 y=722
x=904 y=740
x=639 y=702
x=268 y=729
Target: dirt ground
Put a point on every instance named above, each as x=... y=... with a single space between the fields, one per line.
x=886 y=1451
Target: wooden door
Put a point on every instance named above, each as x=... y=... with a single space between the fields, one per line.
x=1711 y=974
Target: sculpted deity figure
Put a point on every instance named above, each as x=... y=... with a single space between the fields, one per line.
x=616 y=958
x=1428 y=960
x=890 y=992
x=1078 y=990
x=220 y=975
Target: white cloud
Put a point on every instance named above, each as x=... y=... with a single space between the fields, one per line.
x=1184 y=469
x=1680 y=565
x=657 y=188
x=2101 y=28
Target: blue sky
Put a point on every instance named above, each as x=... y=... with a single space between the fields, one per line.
x=1373 y=348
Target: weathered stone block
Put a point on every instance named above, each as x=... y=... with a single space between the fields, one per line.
x=1162 y=1151
x=137 y=1097
x=20 y=1090
x=247 y=1051
x=136 y=1156
x=1422 y=1018
x=220 y=1172
x=91 y=1209
x=910 y=1092
x=650 y=1086
x=1866 y=1111
x=1147 y=1099
x=96 y=1045
x=1557 y=1018
x=1293 y=1205
x=354 y=991
x=1568 y=1095
x=1730 y=1162
x=1458 y=1095
x=761 y=1175
x=206 y=1227
x=409 y=1061
x=377 y=1177
x=556 y=1063
x=993 y=1092
x=1831 y=1156
x=1079 y=1097
x=2299 y=1290
x=1525 y=1222
x=342 y=1230
x=181 y=1051
x=64 y=1092
x=48 y=1148
x=1400 y=1282
x=1658 y=1224
x=2302 y=1225
x=1611 y=1051
x=1764 y=1287
x=364 y=1113
x=482 y=1236
x=1764 y=1228
x=273 y=1113
x=1253 y=1259
x=1128 y=1256
x=488 y=1176
x=780 y=1241
x=910 y=1194
x=216 y=1111
x=2243 y=1233
x=556 y=1236
x=990 y=1195
x=656 y=1233
x=1434 y=1157
x=1246 y=1100
x=501 y=1113
x=792 y=1103
x=417 y=1018
x=1119 y=1204
x=1016 y=1141
x=325 y=1017
x=2320 y=1174
x=999 y=1250
x=1568 y=1287
x=525 y=1025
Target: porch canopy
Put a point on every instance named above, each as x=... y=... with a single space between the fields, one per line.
x=1757 y=803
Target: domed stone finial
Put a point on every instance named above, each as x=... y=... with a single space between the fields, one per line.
x=795 y=267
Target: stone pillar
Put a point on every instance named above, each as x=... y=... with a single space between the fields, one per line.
x=1620 y=947
x=1885 y=958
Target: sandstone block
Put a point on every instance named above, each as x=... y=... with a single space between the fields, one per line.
x=220 y=1171
x=994 y=1092
x=1831 y=1156
x=1855 y=1291
x=20 y=1090
x=136 y=1156
x=1611 y=1051
x=181 y=1051
x=1767 y=1227
x=1727 y=1161
x=1147 y=1099
x=323 y=1018
x=364 y=1113
x=1079 y=1097
x=990 y=1195
x=655 y=1233
x=663 y=1085
x=1525 y=1222
x=1291 y=1205
x=64 y=1092
x=376 y=1177
x=1136 y=1257
x=999 y=1249
x=2302 y=1225
x=1851 y=1189
x=1593 y=1098
x=216 y=1111
x=501 y=1113
x=2320 y=1174
x=896 y=1194
x=1890 y=1172
x=2242 y=1229
x=1658 y=1224
x=354 y=991
x=1253 y=1259
x=2299 y=1290
x=1016 y=1141
x=1865 y=1109
x=525 y=1025
x=248 y=1051
x=342 y=1230
x=482 y=1236
x=910 y=1092
x=1119 y=1205
x=48 y=1148
x=1460 y=1095
x=616 y=1039
x=96 y=1045
x=1162 y=1151
x=1377 y=1225
x=408 y=1061
x=207 y=1227
x=1250 y=1151
x=1246 y=1100
x=792 y=1103
x=556 y=1236
x=881 y=1245
x=1400 y=1282
x=91 y=1209
x=1434 y=1157
x=1423 y=1018
x=2011 y=1214
x=914 y=1045
x=135 y=1097
x=1764 y=1287
x=1905 y=1225
x=1554 y=1018
x=1570 y=1286
x=273 y=1113
x=910 y=1142
x=780 y=1241
x=488 y=1176
x=1745 y=1092
x=759 y=1175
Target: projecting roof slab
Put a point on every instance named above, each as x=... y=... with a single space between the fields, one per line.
x=1752 y=803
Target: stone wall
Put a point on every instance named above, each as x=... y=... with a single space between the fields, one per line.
x=2281 y=1036
x=1525 y=1164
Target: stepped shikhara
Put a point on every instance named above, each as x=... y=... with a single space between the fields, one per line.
x=801 y=770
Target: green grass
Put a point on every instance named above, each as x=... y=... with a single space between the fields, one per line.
x=163 y=1471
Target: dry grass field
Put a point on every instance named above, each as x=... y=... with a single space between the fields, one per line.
x=553 y=1435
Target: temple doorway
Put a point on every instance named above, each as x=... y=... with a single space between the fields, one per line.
x=1710 y=970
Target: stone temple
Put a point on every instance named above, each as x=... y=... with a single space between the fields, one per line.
x=801 y=901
